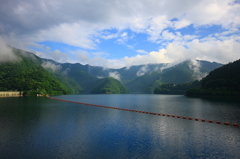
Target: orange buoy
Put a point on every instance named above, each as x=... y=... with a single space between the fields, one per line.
x=203 y=120
x=190 y=118
x=136 y=111
x=163 y=114
x=196 y=119
x=235 y=124
x=168 y=115
x=173 y=116
x=226 y=123
x=210 y=121
x=154 y=113
x=150 y=113
x=184 y=117
x=159 y=114
x=218 y=122
x=178 y=116
x=146 y=112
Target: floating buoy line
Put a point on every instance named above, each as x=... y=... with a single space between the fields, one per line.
x=152 y=113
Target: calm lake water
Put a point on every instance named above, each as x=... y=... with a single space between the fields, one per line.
x=39 y=127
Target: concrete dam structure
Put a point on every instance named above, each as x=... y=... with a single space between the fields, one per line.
x=11 y=94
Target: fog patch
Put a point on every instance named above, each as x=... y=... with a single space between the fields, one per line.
x=51 y=66
x=28 y=55
x=100 y=77
x=195 y=66
x=6 y=53
x=65 y=72
x=115 y=75
x=142 y=71
x=162 y=67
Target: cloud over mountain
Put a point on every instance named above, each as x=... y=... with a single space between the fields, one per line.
x=150 y=31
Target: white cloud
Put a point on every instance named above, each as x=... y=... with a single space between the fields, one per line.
x=58 y=56
x=6 y=53
x=75 y=34
x=156 y=26
x=211 y=50
x=181 y=24
x=82 y=56
x=195 y=66
x=115 y=75
x=100 y=77
x=142 y=51
x=85 y=24
x=142 y=71
x=51 y=66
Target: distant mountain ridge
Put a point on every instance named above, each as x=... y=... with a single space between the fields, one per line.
x=141 y=79
x=223 y=81
x=28 y=75
x=109 y=85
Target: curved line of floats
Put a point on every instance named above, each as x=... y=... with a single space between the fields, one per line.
x=180 y=117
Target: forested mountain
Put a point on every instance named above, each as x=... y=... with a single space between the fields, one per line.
x=125 y=74
x=142 y=78
x=78 y=73
x=33 y=74
x=184 y=72
x=170 y=88
x=109 y=85
x=223 y=81
x=143 y=83
x=186 y=75
x=26 y=74
x=188 y=71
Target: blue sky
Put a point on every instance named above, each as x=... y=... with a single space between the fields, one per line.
x=114 y=35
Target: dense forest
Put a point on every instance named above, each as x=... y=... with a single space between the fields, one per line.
x=27 y=75
x=109 y=85
x=183 y=74
x=223 y=81
x=145 y=83
x=176 y=89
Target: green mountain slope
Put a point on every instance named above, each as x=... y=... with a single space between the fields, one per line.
x=29 y=76
x=223 y=81
x=78 y=73
x=109 y=85
x=154 y=85
x=182 y=73
x=143 y=83
x=176 y=89
x=188 y=71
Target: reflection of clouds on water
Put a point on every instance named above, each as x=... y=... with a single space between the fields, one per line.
x=68 y=130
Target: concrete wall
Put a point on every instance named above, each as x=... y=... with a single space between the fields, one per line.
x=10 y=94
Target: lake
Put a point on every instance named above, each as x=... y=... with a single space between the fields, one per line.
x=39 y=127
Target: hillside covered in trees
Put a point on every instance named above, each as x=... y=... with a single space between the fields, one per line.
x=35 y=75
x=26 y=74
x=223 y=81
x=176 y=89
x=109 y=85
x=180 y=76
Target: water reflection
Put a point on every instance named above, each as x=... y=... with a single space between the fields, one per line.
x=34 y=127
